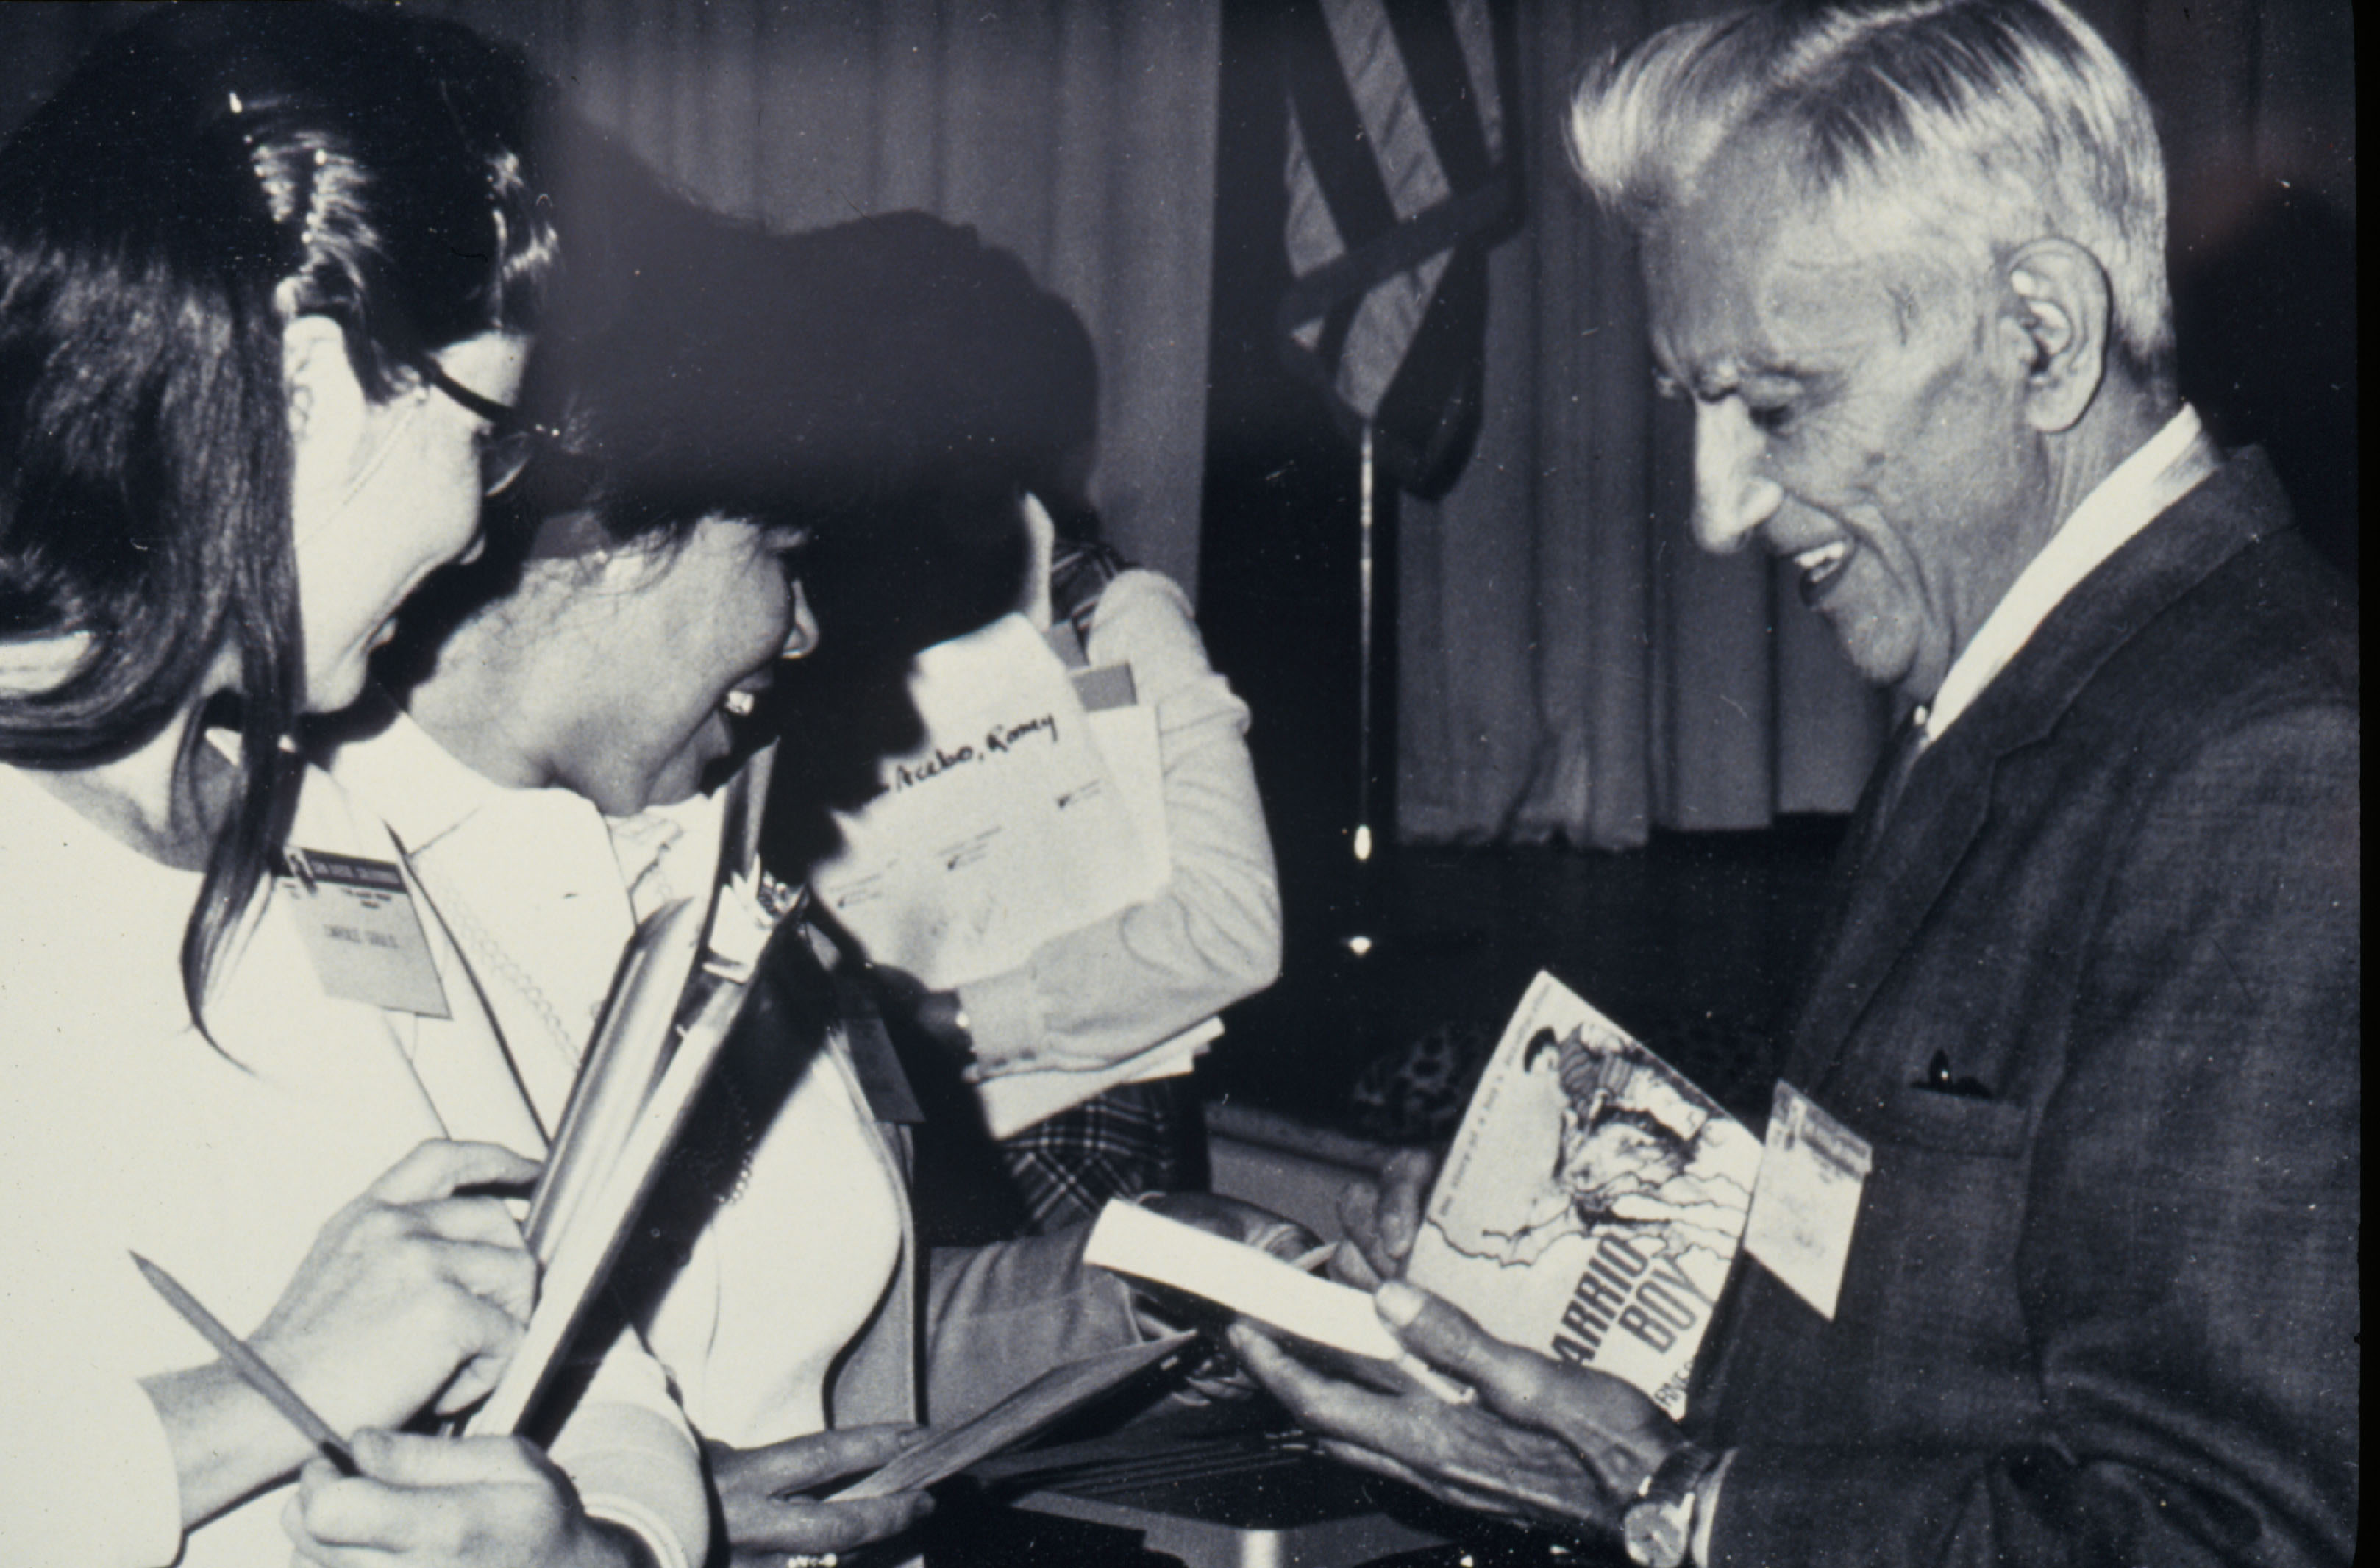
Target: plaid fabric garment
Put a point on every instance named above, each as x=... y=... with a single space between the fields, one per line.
x=1133 y=1138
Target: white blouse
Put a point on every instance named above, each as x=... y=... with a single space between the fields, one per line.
x=536 y=886
x=128 y=1130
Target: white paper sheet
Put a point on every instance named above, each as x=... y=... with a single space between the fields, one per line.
x=1007 y=828
x=1014 y=1101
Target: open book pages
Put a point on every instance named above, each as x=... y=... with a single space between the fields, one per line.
x=1131 y=1240
x=1592 y=1200
x=1059 y=1391
x=1005 y=828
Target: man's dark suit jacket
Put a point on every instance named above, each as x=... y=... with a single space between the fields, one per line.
x=2107 y=1313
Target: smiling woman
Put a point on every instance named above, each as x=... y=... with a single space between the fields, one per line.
x=247 y=259
x=385 y=493
x=617 y=668
x=659 y=539
x=566 y=701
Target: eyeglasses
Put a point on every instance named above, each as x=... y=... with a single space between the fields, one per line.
x=505 y=445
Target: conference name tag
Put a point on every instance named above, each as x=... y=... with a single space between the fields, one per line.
x=357 y=920
x=1808 y=1198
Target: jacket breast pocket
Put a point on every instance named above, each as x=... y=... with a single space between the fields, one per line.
x=1950 y=1124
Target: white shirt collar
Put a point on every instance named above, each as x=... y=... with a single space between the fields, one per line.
x=2160 y=472
x=666 y=852
x=424 y=793
x=421 y=790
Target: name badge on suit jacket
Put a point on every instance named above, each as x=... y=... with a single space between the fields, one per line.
x=1806 y=1199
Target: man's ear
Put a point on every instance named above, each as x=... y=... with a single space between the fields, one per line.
x=2056 y=315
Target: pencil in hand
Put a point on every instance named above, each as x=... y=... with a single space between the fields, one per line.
x=249 y=1366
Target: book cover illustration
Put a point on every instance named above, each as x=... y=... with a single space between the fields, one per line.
x=1592 y=1200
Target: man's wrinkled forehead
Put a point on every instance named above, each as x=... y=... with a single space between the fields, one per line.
x=1752 y=274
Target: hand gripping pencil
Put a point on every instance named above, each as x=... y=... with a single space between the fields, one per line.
x=249 y=1366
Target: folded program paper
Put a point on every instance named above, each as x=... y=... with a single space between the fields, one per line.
x=1005 y=828
x=610 y=1155
x=629 y=1052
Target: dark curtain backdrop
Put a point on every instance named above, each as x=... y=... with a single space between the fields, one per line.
x=1572 y=668
x=1080 y=136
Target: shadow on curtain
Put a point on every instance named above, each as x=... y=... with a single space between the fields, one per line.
x=1081 y=137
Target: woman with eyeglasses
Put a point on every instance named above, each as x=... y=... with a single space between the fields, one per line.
x=267 y=278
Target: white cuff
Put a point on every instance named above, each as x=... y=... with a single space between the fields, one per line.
x=1004 y=1014
x=1707 y=1509
x=641 y=1472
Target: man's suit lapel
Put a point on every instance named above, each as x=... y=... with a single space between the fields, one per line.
x=1893 y=871
x=1903 y=866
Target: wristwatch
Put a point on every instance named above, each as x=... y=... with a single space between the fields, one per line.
x=1659 y=1525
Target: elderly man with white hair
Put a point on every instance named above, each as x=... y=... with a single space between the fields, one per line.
x=2090 y=995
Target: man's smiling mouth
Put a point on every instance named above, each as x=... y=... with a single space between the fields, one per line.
x=1820 y=567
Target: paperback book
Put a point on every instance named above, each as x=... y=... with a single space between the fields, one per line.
x=1592 y=1202
x=677 y=995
